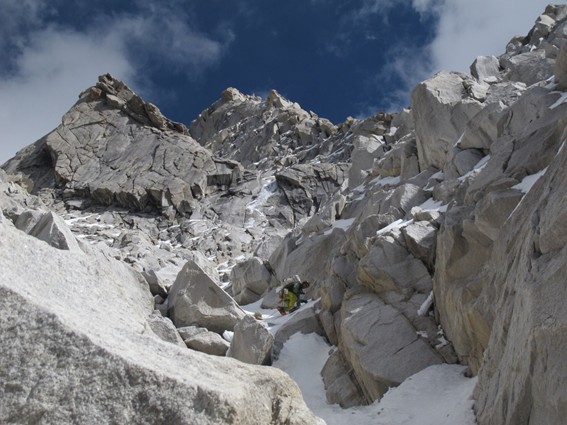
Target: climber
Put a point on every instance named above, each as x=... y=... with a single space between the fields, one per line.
x=291 y=295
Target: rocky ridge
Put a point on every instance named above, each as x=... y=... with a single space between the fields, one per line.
x=430 y=235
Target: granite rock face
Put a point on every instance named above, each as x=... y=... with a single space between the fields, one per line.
x=251 y=130
x=520 y=381
x=116 y=149
x=252 y=342
x=431 y=235
x=54 y=356
x=250 y=279
x=380 y=345
x=481 y=143
x=195 y=300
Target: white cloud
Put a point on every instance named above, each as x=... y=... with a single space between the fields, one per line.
x=51 y=64
x=373 y=7
x=467 y=29
x=52 y=71
x=166 y=36
x=463 y=30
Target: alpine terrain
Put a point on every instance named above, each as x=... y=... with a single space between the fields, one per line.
x=142 y=259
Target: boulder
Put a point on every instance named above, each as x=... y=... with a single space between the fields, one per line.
x=304 y=321
x=275 y=100
x=208 y=266
x=250 y=279
x=326 y=216
x=465 y=160
x=156 y=284
x=380 y=345
x=328 y=324
x=82 y=325
x=421 y=238
x=490 y=123
x=389 y=266
x=340 y=387
x=401 y=161
x=529 y=67
x=52 y=229
x=407 y=196
x=28 y=219
x=252 y=342
x=366 y=149
x=195 y=300
x=485 y=67
x=164 y=328
x=441 y=109
x=187 y=332
x=271 y=298
x=331 y=293
x=268 y=245
x=208 y=342
x=309 y=186
x=462 y=253
x=401 y=125
x=296 y=255
x=160 y=305
x=543 y=26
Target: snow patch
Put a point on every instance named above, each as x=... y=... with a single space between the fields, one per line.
x=422 y=311
x=72 y=221
x=562 y=99
x=476 y=169
x=480 y=164
x=527 y=182
x=340 y=224
x=438 y=395
x=431 y=205
x=385 y=181
x=254 y=207
x=398 y=224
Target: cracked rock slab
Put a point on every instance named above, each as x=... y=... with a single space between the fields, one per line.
x=380 y=345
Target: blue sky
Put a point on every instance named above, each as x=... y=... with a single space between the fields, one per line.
x=334 y=57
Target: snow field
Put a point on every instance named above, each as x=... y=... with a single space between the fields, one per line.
x=438 y=395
